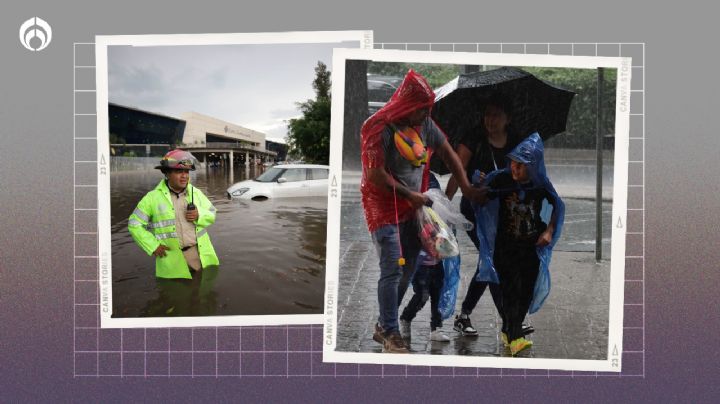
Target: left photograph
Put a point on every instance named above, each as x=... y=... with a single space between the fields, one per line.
x=213 y=157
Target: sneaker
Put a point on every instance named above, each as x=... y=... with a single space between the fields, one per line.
x=504 y=338
x=394 y=343
x=405 y=329
x=379 y=334
x=439 y=336
x=518 y=345
x=527 y=329
x=464 y=326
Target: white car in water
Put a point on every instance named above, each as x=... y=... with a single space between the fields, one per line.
x=284 y=181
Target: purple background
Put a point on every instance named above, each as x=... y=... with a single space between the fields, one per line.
x=36 y=286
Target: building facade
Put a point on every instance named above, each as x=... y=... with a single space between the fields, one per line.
x=138 y=133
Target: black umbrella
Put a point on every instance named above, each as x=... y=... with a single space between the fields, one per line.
x=537 y=106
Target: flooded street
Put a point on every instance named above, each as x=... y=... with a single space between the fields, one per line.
x=272 y=254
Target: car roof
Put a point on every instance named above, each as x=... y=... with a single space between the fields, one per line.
x=301 y=166
x=392 y=80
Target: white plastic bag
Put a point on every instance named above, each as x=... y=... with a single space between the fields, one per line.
x=436 y=237
x=448 y=212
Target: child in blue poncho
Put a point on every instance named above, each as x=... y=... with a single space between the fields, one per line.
x=516 y=243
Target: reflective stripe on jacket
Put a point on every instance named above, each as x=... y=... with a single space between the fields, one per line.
x=152 y=223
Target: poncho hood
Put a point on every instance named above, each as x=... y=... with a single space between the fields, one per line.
x=379 y=205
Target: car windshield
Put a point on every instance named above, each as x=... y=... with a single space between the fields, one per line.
x=271 y=175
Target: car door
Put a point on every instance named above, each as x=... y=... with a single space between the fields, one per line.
x=318 y=179
x=295 y=184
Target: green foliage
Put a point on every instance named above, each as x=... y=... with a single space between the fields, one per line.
x=435 y=74
x=309 y=135
x=582 y=119
x=582 y=124
x=322 y=82
x=117 y=139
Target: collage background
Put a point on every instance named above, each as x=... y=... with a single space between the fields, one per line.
x=39 y=341
x=297 y=350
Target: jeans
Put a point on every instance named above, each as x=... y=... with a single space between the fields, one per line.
x=477 y=288
x=427 y=283
x=394 y=280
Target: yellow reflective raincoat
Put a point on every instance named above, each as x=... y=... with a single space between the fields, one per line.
x=152 y=223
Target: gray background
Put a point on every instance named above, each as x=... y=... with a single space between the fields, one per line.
x=36 y=126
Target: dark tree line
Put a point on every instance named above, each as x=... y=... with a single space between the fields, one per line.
x=309 y=135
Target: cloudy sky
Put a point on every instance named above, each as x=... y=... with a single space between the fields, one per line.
x=255 y=86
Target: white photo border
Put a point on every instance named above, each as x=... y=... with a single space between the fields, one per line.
x=613 y=362
x=365 y=39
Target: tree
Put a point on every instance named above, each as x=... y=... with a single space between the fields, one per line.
x=117 y=139
x=435 y=74
x=322 y=83
x=309 y=135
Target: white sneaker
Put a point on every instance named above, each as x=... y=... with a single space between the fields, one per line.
x=404 y=329
x=439 y=336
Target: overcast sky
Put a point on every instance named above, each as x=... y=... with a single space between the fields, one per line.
x=255 y=86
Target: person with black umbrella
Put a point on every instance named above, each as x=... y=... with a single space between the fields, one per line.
x=511 y=104
x=483 y=150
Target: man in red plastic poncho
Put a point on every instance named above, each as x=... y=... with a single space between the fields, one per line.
x=396 y=143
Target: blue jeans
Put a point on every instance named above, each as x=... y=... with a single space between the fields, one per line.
x=394 y=280
x=427 y=284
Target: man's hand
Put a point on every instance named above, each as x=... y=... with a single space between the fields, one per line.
x=381 y=179
x=160 y=251
x=465 y=155
x=545 y=238
x=191 y=215
x=417 y=200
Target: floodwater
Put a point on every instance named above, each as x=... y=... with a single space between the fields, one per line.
x=272 y=254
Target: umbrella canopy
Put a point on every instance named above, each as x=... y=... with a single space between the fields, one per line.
x=536 y=106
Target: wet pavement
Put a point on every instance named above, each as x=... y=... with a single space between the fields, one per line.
x=572 y=324
x=272 y=254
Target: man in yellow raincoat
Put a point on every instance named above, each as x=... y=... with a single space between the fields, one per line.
x=171 y=221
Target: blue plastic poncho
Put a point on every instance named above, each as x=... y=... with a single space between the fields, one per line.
x=530 y=151
x=451 y=281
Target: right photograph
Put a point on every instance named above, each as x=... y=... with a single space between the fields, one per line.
x=476 y=210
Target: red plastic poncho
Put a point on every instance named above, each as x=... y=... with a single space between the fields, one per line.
x=379 y=204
